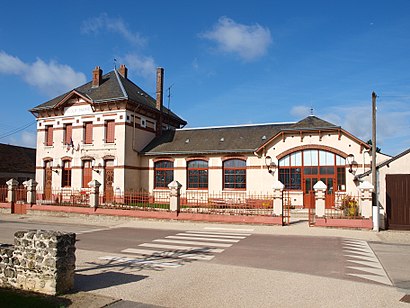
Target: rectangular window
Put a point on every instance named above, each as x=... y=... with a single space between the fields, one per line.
x=49 y=135
x=87 y=172
x=164 y=173
x=341 y=178
x=88 y=133
x=110 y=131
x=66 y=174
x=291 y=178
x=68 y=133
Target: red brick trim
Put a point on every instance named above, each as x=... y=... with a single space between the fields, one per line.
x=66 y=158
x=197 y=158
x=87 y=158
x=241 y=157
x=163 y=158
x=48 y=158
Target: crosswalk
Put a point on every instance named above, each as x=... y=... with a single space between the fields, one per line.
x=175 y=250
x=363 y=263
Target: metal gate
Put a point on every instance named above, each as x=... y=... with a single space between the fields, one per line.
x=286 y=204
x=398 y=201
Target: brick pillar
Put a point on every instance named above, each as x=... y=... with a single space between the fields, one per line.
x=174 y=196
x=278 y=198
x=320 y=193
x=31 y=191
x=365 y=205
x=94 y=193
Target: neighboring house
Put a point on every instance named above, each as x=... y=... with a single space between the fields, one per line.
x=393 y=190
x=16 y=162
x=112 y=131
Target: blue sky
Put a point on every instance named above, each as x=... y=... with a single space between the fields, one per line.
x=227 y=62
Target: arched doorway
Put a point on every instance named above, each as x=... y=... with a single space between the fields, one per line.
x=301 y=170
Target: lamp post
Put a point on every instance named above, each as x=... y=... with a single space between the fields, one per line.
x=270 y=164
x=374 y=171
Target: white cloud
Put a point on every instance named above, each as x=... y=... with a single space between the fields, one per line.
x=300 y=111
x=115 y=25
x=143 y=66
x=249 y=42
x=50 y=78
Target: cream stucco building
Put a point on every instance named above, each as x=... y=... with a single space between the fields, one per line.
x=112 y=131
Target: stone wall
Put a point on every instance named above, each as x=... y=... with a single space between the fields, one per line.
x=40 y=261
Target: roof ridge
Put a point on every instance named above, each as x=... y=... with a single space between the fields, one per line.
x=234 y=126
x=121 y=85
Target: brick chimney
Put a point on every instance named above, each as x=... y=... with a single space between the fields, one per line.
x=97 y=77
x=160 y=97
x=123 y=71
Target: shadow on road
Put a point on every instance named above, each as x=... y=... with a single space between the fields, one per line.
x=115 y=270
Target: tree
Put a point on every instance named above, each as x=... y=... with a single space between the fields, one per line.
x=369 y=142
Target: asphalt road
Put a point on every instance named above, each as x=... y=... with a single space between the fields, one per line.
x=204 y=266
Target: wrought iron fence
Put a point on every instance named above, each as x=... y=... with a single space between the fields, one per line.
x=3 y=194
x=346 y=206
x=134 y=200
x=227 y=203
x=63 y=197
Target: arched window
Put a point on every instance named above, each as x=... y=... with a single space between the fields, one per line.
x=197 y=174
x=66 y=174
x=234 y=174
x=163 y=173
x=312 y=163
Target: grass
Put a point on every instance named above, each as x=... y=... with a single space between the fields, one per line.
x=18 y=298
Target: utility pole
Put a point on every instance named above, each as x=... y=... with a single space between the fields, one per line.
x=375 y=200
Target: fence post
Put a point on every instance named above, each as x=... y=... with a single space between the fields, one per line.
x=365 y=205
x=277 y=198
x=94 y=193
x=11 y=193
x=320 y=193
x=174 y=196
x=31 y=191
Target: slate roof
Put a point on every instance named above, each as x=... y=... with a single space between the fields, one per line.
x=17 y=159
x=113 y=87
x=233 y=139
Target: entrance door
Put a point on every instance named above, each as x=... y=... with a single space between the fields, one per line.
x=308 y=192
x=398 y=201
x=330 y=194
x=109 y=180
x=48 y=175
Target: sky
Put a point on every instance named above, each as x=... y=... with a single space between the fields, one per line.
x=226 y=62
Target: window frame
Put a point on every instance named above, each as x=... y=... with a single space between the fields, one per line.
x=86 y=172
x=66 y=173
x=234 y=171
x=167 y=172
x=109 y=126
x=200 y=171
x=49 y=135
x=88 y=132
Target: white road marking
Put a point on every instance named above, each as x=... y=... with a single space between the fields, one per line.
x=187 y=237
x=189 y=248
x=139 y=261
x=219 y=233
x=359 y=252
x=192 y=243
x=167 y=254
x=229 y=229
x=213 y=235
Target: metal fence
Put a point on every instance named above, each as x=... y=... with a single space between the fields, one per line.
x=346 y=206
x=3 y=194
x=64 y=197
x=134 y=200
x=227 y=203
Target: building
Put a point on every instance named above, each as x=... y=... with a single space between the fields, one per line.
x=16 y=162
x=393 y=177
x=112 y=131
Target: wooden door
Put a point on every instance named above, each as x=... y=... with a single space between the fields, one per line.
x=308 y=183
x=398 y=201
x=48 y=182
x=109 y=180
x=330 y=191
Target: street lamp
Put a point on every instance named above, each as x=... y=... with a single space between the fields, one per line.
x=353 y=165
x=270 y=164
